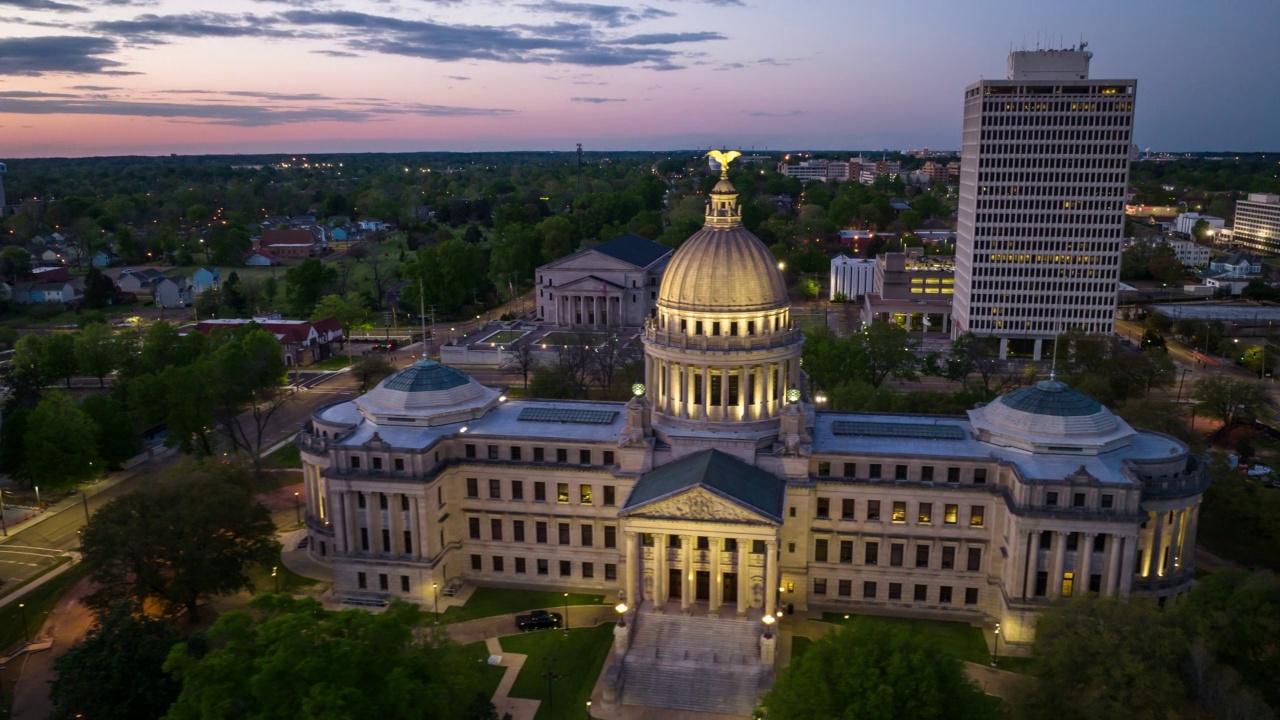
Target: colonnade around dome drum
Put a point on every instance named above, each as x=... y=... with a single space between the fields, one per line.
x=720 y=387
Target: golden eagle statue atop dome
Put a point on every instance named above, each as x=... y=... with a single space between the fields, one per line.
x=724 y=157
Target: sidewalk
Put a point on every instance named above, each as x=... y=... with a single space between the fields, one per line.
x=69 y=621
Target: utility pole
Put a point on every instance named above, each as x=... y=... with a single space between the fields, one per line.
x=422 y=302
x=579 y=191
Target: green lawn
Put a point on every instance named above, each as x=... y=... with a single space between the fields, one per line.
x=957 y=639
x=799 y=646
x=487 y=602
x=290 y=582
x=577 y=657
x=287 y=457
x=337 y=362
x=502 y=337
x=39 y=603
x=490 y=674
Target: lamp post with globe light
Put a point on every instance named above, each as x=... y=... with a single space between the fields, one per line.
x=995 y=656
x=768 y=621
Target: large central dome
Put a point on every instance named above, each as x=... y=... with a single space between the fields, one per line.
x=723 y=267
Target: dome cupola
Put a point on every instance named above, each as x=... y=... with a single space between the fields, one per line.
x=426 y=393
x=1050 y=417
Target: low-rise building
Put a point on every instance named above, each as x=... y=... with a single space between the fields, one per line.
x=817 y=169
x=173 y=291
x=912 y=290
x=614 y=284
x=302 y=342
x=1190 y=253
x=1186 y=222
x=851 y=278
x=294 y=243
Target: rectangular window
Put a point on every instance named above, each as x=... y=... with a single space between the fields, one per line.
x=921 y=593
x=520 y=566
x=377 y=463
x=895 y=591
x=584 y=494
x=398 y=464
x=610 y=498
x=562 y=493
x=360 y=501
x=364 y=539
x=386 y=540
x=971 y=596
x=355 y=463
x=976 y=513
x=470 y=450
x=873 y=511
x=404 y=503
x=1077 y=500
x=475 y=562
x=495 y=489
x=871 y=554
x=542 y=566
x=473 y=526
x=588 y=535
x=819 y=586
x=875 y=471
x=869 y=590
x=610 y=536
x=948 y=557
x=608 y=458
x=1108 y=501
x=473 y=488
x=566 y=568
x=1051 y=499
x=408 y=542
x=610 y=572
x=824 y=468
x=899 y=511
x=515 y=452
x=362 y=580
x=539 y=491
x=540 y=532
x=824 y=508
x=922 y=556
x=924 y=516
x=926 y=473
x=974 y=563
x=757 y=547
x=584 y=457
x=673 y=542
x=950 y=514
x=495 y=528
x=846 y=509
x=850 y=470
x=539 y=454
x=899 y=472
x=517 y=530
x=562 y=455
x=497 y=563
x=517 y=490
x=980 y=476
x=944 y=595
x=493 y=452
x=953 y=475
x=404 y=583
x=846 y=588
x=563 y=529
x=895 y=554
x=820 y=551
x=846 y=551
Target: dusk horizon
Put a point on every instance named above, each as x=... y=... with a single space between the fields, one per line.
x=94 y=78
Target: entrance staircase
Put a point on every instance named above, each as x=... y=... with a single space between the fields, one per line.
x=694 y=663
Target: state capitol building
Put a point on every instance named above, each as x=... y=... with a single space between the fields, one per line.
x=718 y=491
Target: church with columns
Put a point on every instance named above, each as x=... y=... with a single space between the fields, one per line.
x=719 y=491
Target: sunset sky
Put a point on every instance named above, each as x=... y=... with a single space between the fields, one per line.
x=102 y=77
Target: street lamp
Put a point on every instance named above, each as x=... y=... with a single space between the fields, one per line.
x=566 y=613
x=621 y=609
x=588 y=710
x=297 y=509
x=26 y=629
x=435 y=600
x=768 y=621
x=995 y=658
x=1180 y=381
x=551 y=676
x=276 y=578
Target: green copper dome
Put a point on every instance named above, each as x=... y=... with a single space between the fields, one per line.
x=1050 y=397
x=426 y=376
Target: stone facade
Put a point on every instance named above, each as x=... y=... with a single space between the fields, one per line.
x=614 y=284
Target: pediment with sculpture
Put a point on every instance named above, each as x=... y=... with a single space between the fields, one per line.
x=700 y=504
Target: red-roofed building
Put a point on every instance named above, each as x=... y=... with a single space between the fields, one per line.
x=299 y=243
x=301 y=342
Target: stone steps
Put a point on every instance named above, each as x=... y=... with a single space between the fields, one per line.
x=730 y=690
x=711 y=640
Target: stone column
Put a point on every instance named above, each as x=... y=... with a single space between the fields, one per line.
x=353 y=504
x=341 y=539
x=724 y=392
x=396 y=518
x=1033 y=565
x=744 y=597
x=1056 y=564
x=767 y=406
x=659 y=571
x=1149 y=533
x=632 y=567
x=686 y=573
x=415 y=523
x=744 y=372
x=706 y=392
x=1158 y=545
x=1189 y=544
x=1126 y=566
x=1085 y=561
x=374 y=506
x=1180 y=537
x=713 y=601
x=1110 y=581
x=771 y=576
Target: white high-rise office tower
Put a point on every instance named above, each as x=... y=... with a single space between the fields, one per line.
x=1043 y=176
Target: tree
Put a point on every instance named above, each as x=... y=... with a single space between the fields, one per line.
x=1106 y=658
x=1229 y=400
x=1238 y=615
x=248 y=377
x=61 y=444
x=888 y=349
x=117 y=671
x=971 y=354
x=99 y=290
x=306 y=283
x=96 y=351
x=118 y=438
x=292 y=660
x=370 y=370
x=15 y=262
x=877 y=673
x=349 y=310
x=58 y=357
x=520 y=358
x=177 y=542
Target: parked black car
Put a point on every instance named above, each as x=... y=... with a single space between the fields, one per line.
x=539 y=620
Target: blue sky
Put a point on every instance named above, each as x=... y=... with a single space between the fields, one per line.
x=91 y=77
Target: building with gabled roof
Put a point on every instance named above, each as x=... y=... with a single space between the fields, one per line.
x=302 y=342
x=613 y=284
